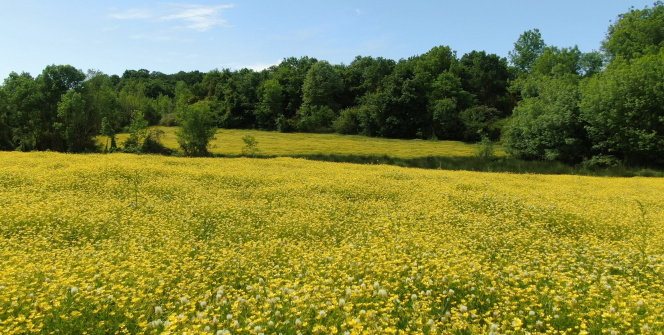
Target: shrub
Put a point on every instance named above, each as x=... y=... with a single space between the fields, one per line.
x=196 y=129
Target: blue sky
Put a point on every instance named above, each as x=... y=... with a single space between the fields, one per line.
x=113 y=36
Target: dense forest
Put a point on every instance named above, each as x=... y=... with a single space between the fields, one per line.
x=546 y=103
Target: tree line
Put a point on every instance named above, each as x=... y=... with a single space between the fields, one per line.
x=545 y=103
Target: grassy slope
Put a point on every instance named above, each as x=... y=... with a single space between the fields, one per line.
x=446 y=155
x=228 y=142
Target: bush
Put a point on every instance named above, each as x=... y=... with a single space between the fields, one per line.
x=477 y=121
x=315 y=118
x=485 y=148
x=196 y=129
x=169 y=120
x=250 y=146
x=348 y=121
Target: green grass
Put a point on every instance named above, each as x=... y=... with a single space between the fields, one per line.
x=427 y=154
x=228 y=143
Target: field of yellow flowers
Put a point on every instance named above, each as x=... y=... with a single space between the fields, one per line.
x=131 y=244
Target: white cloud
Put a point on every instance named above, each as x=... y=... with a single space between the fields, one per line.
x=199 y=17
x=359 y=11
x=133 y=14
x=192 y=16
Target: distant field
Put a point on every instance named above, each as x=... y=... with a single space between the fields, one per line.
x=124 y=243
x=229 y=142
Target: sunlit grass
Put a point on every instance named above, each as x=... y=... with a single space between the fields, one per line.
x=119 y=243
x=229 y=142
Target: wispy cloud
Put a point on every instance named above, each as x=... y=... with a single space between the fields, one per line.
x=192 y=16
x=133 y=14
x=359 y=11
x=199 y=17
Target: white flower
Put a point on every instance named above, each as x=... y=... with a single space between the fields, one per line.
x=531 y=313
x=158 y=311
x=382 y=293
x=463 y=309
x=229 y=316
x=342 y=302
x=74 y=290
x=184 y=300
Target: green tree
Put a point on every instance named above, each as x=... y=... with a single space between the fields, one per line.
x=271 y=104
x=527 y=49
x=54 y=81
x=250 y=145
x=138 y=132
x=108 y=131
x=487 y=77
x=322 y=85
x=23 y=101
x=546 y=124
x=291 y=73
x=6 y=141
x=555 y=61
x=364 y=75
x=77 y=124
x=636 y=33
x=196 y=129
x=624 y=109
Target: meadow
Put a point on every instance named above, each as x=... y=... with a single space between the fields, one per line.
x=228 y=142
x=120 y=243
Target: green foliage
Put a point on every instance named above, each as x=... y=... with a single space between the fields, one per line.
x=138 y=132
x=348 y=121
x=485 y=148
x=446 y=102
x=478 y=123
x=555 y=61
x=77 y=125
x=250 y=145
x=22 y=103
x=624 y=109
x=196 y=129
x=365 y=75
x=271 y=104
x=486 y=77
x=547 y=126
x=322 y=86
x=315 y=118
x=527 y=49
x=636 y=33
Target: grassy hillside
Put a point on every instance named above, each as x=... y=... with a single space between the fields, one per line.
x=444 y=155
x=149 y=244
x=228 y=142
